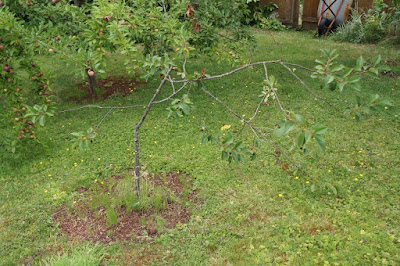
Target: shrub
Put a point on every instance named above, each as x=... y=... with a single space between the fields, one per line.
x=371 y=27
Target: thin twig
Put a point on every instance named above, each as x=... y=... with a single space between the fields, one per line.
x=101 y=121
x=100 y=107
x=256 y=132
x=310 y=90
x=258 y=108
x=126 y=107
x=299 y=66
x=172 y=95
x=184 y=64
x=230 y=72
x=172 y=83
x=273 y=90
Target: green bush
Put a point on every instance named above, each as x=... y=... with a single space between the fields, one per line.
x=372 y=27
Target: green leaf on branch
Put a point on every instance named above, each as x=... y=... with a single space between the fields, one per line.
x=320 y=129
x=321 y=142
x=359 y=64
x=284 y=127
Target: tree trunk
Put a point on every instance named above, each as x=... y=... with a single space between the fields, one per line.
x=78 y=2
x=136 y=187
x=92 y=83
x=137 y=162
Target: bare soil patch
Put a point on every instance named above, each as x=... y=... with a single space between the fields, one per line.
x=108 y=87
x=85 y=224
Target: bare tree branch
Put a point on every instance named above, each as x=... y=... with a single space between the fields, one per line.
x=101 y=121
x=256 y=132
x=129 y=106
x=310 y=90
x=257 y=108
x=230 y=72
x=299 y=66
x=100 y=107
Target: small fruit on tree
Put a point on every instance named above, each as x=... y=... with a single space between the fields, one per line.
x=91 y=74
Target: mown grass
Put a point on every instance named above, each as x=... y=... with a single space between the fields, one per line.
x=243 y=219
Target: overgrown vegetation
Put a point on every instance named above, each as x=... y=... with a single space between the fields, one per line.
x=264 y=16
x=375 y=26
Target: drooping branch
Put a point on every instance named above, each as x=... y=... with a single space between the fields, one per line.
x=101 y=121
x=255 y=131
x=230 y=72
x=100 y=107
x=310 y=90
x=186 y=81
x=175 y=92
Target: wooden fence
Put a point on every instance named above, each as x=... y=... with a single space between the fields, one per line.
x=289 y=11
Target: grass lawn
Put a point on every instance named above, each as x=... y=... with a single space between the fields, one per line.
x=243 y=220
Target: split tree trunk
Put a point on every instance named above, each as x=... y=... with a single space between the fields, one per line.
x=92 y=83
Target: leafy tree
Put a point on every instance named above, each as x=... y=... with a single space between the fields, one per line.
x=25 y=105
x=160 y=38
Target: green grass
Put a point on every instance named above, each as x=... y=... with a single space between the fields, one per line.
x=243 y=220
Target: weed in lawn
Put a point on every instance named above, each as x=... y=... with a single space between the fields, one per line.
x=160 y=199
x=83 y=255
